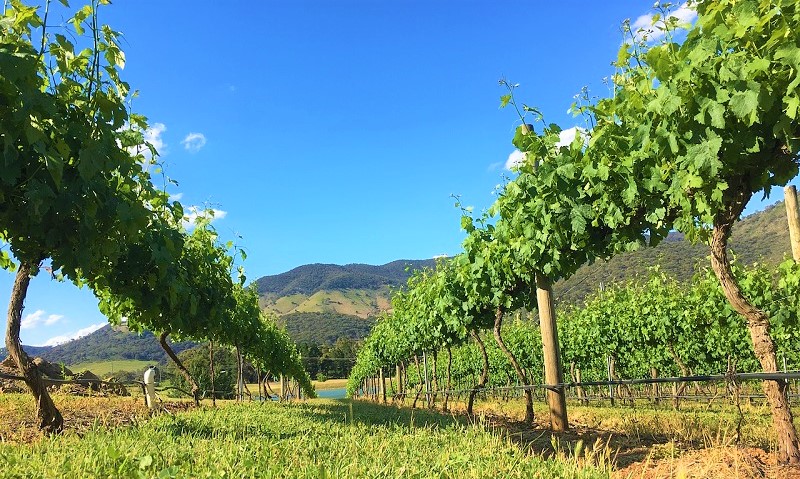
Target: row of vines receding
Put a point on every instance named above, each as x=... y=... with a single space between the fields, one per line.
x=699 y=120
x=77 y=191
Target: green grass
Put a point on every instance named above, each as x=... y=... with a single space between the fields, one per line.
x=103 y=368
x=318 y=439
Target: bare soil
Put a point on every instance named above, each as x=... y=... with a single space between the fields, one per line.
x=18 y=420
x=648 y=457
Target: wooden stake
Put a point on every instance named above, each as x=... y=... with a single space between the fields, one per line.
x=793 y=215
x=554 y=373
x=382 y=385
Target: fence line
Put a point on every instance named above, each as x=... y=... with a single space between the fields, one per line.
x=731 y=377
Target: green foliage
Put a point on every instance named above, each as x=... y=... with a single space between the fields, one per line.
x=657 y=323
x=71 y=184
x=332 y=361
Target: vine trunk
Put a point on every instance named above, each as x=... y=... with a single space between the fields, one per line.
x=758 y=324
x=50 y=419
x=162 y=339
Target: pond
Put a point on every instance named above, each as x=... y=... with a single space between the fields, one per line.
x=338 y=393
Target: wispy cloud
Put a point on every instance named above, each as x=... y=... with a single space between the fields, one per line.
x=644 y=28
x=495 y=166
x=194 y=142
x=175 y=197
x=38 y=317
x=56 y=340
x=193 y=212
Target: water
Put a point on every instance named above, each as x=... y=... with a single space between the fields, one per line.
x=338 y=393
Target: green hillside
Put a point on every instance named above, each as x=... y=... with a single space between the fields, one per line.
x=325 y=328
x=106 y=344
x=111 y=366
x=761 y=237
x=355 y=289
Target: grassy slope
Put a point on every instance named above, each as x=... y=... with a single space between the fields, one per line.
x=355 y=302
x=102 y=368
x=311 y=440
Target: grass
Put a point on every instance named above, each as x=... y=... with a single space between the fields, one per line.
x=103 y=368
x=316 y=439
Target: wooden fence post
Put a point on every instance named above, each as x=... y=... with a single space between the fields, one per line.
x=554 y=373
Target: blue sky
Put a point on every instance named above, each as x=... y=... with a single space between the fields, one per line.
x=336 y=131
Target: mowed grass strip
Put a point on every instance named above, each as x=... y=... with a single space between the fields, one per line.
x=317 y=439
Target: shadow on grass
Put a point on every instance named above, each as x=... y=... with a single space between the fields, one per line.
x=373 y=414
x=535 y=438
x=181 y=426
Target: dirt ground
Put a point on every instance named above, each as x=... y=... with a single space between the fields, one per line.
x=651 y=458
x=18 y=420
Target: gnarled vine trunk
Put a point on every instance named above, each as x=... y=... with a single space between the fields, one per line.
x=685 y=371
x=498 y=324
x=421 y=385
x=484 y=372
x=239 y=375
x=434 y=380
x=449 y=382
x=49 y=417
x=758 y=324
x=162 y=340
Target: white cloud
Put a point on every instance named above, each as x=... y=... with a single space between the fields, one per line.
x=56 y=340
x=175 y=197
x=194 y=211
x=152 y=135
x=514 y=159
x=566 y=137
x=194 y=142
x=643 y=27
x=38 y=317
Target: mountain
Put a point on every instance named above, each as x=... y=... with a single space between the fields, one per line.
x=105 y=344
x=762 y=237
x=325 y=328
x=354 y=289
